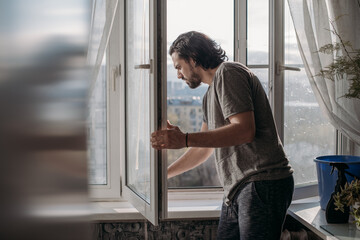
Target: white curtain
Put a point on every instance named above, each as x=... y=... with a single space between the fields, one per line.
x=311 y=20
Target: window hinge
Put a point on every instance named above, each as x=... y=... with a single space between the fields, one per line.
x=120 y=186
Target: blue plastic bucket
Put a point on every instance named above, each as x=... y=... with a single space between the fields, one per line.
x=326 y=180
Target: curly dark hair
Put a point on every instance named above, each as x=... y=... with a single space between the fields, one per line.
x=198 y=46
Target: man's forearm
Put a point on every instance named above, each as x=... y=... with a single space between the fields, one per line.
x=189 y=160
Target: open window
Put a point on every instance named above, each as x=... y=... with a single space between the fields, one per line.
x=184 y=105
x=140 y=163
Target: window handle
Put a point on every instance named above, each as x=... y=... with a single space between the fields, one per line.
x=280 y=68
x=145 y=66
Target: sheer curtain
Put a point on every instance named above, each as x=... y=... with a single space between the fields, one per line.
x=311 y=20
x=102 y=18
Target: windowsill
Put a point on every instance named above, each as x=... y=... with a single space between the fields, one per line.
x=194 y=209
x=308 y=213
x=203 y=204
x=178 y=209
x=113 y=211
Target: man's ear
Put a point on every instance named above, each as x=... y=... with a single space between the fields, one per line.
x=192 y=62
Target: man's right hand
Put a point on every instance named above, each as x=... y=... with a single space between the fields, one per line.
x=171 y=138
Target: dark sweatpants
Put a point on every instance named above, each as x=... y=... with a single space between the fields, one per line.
x=257 y=211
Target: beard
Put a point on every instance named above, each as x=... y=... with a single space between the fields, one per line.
x=194 y=80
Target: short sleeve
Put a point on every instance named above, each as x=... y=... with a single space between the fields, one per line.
x=204 y=109
x=234 y=92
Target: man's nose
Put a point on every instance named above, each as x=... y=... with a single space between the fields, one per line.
x=179 y=75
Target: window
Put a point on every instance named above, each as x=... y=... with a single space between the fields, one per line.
x=137 y=97
x=307 y=132
x=97 y=125
x=104 y=100
x=258 y=40
x=299 y=105
x=132 y=100
x=218 y=24
x=140 y=165
x=97 y=112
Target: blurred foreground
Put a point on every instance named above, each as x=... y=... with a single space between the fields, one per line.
x=43 y=92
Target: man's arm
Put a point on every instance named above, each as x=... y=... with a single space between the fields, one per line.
x=190 y=159
x=240 y=130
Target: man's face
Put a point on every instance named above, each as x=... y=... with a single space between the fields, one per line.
x=186 y=71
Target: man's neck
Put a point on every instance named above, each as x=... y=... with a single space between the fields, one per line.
x=208 y=75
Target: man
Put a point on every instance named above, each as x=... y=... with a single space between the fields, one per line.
x=238 y=124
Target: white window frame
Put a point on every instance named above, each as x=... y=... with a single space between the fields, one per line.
x=149 y=211
x=113 y=44
x=110 y=48
x=276 y=80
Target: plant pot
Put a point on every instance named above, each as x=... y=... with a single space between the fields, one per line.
x=326 y=180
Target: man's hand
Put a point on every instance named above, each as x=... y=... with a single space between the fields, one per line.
x=171 y=138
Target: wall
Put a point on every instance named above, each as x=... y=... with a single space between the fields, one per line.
x=182 y=230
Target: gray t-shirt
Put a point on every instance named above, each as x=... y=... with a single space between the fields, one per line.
x=235 y=89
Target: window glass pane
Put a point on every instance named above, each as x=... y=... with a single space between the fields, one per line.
x=307 y=131
x=184 y=104
x=137 y=98
x=97 y=166
x=258 y=39
x=97 y=30
x=263 y=75
x=258 y=32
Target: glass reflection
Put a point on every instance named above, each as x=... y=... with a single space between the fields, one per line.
x=137 y=98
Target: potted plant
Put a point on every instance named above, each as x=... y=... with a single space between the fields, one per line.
x=350 y=196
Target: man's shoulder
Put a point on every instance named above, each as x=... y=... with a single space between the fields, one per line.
x=232 y=66
x=233 y=70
